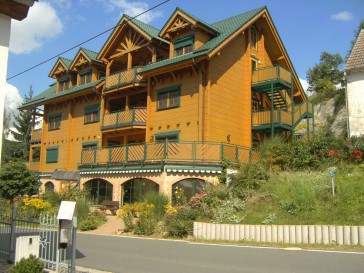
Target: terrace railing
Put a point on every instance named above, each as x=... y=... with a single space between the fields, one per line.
x=128 y=118
x=281 y=116
x=210 y=152
x=271 y=73
x=122 y=78
x=36 y=135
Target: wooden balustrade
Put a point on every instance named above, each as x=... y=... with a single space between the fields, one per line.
x=271 y=73
x=36 y=135
x=167 y=151
x=122 y=78
x=133 y=117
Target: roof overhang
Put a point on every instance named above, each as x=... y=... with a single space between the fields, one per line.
x=16 y=9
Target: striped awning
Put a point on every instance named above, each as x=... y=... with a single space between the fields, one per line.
x=193 y=169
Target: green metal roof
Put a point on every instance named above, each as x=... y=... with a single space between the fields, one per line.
x=66 y=62
x=150 y=30
x=50 y=93
x=91 y=54
x=226 y=27
x=193 y=18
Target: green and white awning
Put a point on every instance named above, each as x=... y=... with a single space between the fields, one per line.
x=193 y=169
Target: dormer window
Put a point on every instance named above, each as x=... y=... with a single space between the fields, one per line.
x=64 y=84
x=184 y=45
x=85 y=76
x=253 y=37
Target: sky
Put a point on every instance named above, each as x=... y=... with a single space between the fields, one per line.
x=306 y=27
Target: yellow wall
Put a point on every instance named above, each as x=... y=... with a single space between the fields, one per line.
x=183 y=118
x=72 y=133
x=230 y=95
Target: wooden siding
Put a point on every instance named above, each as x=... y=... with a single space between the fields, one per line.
x=229 y=102
x=184 y=118
x=69 y=138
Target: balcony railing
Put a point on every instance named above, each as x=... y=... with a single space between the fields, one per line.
x=128 y=118
x=122 y=78
x=272 y=73
x=206 y=152
x=36 y=135
x=282 y=116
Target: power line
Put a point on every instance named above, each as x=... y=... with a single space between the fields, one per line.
x=78 y=45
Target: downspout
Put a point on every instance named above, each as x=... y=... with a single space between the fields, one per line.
x=203 y=82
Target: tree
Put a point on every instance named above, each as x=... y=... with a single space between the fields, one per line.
x=23 y=127
x=10 y=150
x=325 y=76
x=16 y=179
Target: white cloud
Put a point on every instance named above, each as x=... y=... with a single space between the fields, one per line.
x=342 y=16
x=304 y=84
x=132 y=9
x=12 y=100
x=41 y=24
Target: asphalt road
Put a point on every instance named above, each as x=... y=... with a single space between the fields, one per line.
x=134 y=255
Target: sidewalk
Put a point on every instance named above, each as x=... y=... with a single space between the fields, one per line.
x=111 y=227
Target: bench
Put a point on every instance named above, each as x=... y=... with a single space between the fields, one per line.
x=112 y=206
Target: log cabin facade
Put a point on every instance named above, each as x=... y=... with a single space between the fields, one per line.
x=156 y=109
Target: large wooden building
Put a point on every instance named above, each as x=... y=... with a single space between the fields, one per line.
x=156 y=109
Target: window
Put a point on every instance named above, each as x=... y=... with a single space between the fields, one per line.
x=253 y=37
x=64 y=84
x=85 y=76
x=184 y=45
x=168 y=136
x=101 y=74
x=92 y=114
x=36 y=154
x=52 y=155
x=54 y=122
x=168 y=97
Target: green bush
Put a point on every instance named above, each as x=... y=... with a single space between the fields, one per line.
x=159 y=200
x=147 y=222
x=29 y=265
x=92 y=221
x=126 y=213
x=180 y=223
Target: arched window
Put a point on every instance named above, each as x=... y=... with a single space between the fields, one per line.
x=49 y=186
x=99 y=190
x=253 y=37
x=134 y=189
x=190 y=187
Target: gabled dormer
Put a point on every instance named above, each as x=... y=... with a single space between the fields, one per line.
x=132 y=43
x=86 y=66
x=186 y=33
x=61 y=73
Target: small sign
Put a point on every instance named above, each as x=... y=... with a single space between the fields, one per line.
x=66 y=210
x=332 y=173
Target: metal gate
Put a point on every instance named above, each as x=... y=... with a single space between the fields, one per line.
x=46 y=227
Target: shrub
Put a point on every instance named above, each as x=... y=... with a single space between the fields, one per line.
x=159 y=201
x=29 y=265
x=126 y=213
x=180 y=223
x=147 y=221
x=93 y=221
x=227 y=211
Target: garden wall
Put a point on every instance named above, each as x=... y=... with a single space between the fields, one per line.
x=289 y=234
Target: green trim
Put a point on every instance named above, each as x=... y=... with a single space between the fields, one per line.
x=168 y=90
x=183 y=42
x=85 y=72
x=52 y=154
x=57 y=117
x=165 y=135
x=64 y=79
x=92 y=109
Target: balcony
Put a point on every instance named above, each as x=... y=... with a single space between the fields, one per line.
x=282 y=118
x=124 y=78
x=36 y=136
x=122 y=119
x=275 y=77
x=158 y=152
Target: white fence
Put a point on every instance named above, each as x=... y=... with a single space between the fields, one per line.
x=289 y=234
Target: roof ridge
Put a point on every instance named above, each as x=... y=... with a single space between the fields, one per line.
x=240 y=14
x=89 y=50
x=132 y=18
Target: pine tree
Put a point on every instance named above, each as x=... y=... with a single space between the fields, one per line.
x=23 y=127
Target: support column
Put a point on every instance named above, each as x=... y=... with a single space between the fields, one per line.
x=130 y=60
